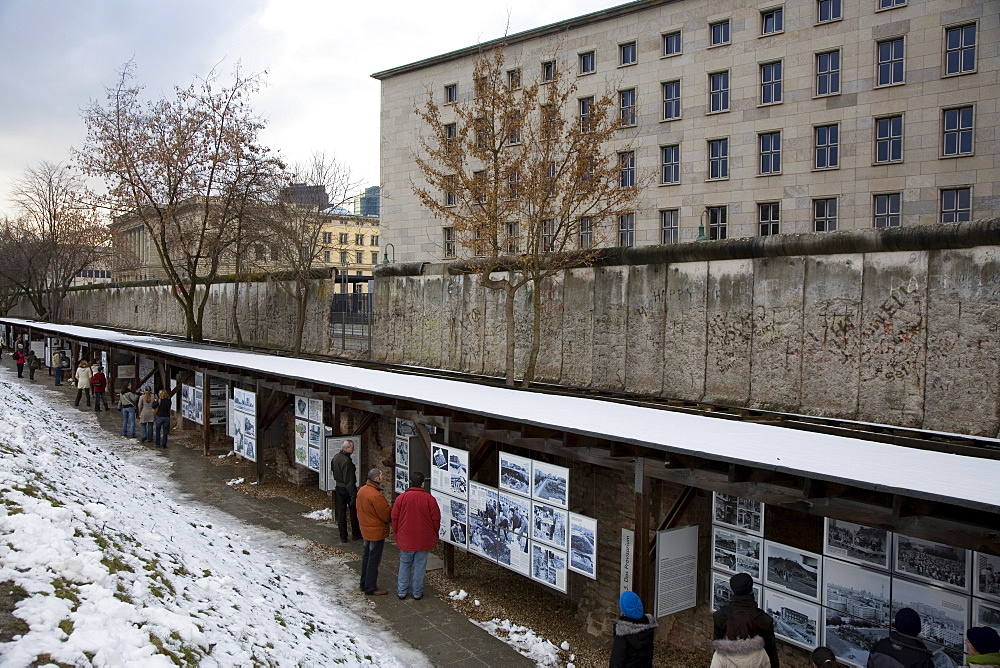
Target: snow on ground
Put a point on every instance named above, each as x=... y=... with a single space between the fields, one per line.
x=524 y=640
x=118 y=573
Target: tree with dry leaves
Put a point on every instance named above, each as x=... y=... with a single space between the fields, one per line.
x=188 y=169
x=528 y=179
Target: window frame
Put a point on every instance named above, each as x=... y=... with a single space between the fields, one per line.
x=879 y=64
x=887 y=5
x=626 y=161
x=956 y=209
x=945 y=51
x=775 y=85
x=723 y=93
x=775 y=14
x=722 y=159
x=450 y=196
x=451 y=93
x=890 y=140
x=547 y=235
x=837 y=5
x=773 y=210
x=585 y=226
x=718 y=229
x=584 y=105
x=826 y=147
x=674 y=166
x=626 y=229
x=630 y=120
x=670 y=226
x=676 y=100
x=548 y=71
x=623 y=51
x=772 y=155
x=888 y=215
x=666 y=38
x=514 y=78
x=585 y=59
x=512 y=237
x=725 y=25
x=830 y=74
x=958 y=132
x=827 y=216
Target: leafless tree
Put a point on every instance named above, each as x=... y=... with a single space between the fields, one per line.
x=528 y=178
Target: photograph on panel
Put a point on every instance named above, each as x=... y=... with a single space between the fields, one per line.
x=739 y=513
x=986 y=613
x=402 y=452
x=402 y=480
x=514 y=513
x=943 y=614
x=550 y=484
x=515 y=473
x=793 y=570
x=548 y=524
x=858 y=543
x=722 y=593
x=583 y=545
x=301 y=408
x=987 y=576
x=932 y=562
x=795 y=620
x=548 y=566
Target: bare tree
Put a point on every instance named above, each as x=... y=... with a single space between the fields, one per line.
x=527 y=185
x=187 y=168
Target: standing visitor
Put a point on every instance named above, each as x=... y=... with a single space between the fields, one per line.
x=57 y=366
x=982 y=644
x=345 y=476
x=146 y=415
x=126 y=404
x=161 y=423
x=83 y=375
x=633 y=643
x=99 y=383
x=902 y=649
x=823 y=657
x=416 y=519
x=742 y=647
x=34 y=364
x=741 y=585
x=19 y=361
x=374 y=516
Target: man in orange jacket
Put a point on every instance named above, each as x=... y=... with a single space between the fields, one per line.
x=374 y=516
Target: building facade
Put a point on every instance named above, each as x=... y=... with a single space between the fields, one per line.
x=752 y=118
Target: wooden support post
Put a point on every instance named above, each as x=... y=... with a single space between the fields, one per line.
x=260 y=454
x=641 y=571
x=206 y=414
x=112 y=374
x=425 y=438
x=449 y=560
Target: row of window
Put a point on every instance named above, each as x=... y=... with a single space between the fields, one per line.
x=960 y=42
x=345 y=257
x=957 y=134
x=955 y=207
x=359 y=239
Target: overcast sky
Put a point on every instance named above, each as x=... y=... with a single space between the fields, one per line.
x=58 y=55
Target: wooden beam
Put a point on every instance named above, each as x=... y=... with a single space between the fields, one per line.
x=677 y=509
x=641 y=566
x=481 y=451
x=366 y=423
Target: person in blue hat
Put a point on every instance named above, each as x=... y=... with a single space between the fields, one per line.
x=633 y=643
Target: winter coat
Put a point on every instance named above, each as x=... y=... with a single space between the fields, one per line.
x=146 y=413
x=633 y=643
x=128 y=399
x=18 y=357
x=345 y=473
x=373 y=513
x=162 y=407
x=57 y=360
x=33 y=361
x=83 y=376
x=745 y=653
x=899 y=651
x=762 y=621
x=987 y=660
x=416 y=518
x=99 y=382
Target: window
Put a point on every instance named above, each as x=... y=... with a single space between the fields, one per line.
x=889 y=4
x=828 y=73
x=671 y=100
x=588 y=62
x=960 y=49
x=669 y=226
x=274 y=254
x=259 y=253
x=956 y=205
x=450 y=198
x=772 y=21
x=889 y=139
x=449 y=241
x=958 y=125
x=770 y=152
x=717 y=222
x=887 y=210
x=359 y=257
x=513 y=238
x=450 y=133
x=451 y=93
x=374 y=257
x=374 y=240
x=890 y=62
x=671 y=159
x=479 y=185
x=769 y=217
x=672 y=43
x=548 y=71
x=550 y=175
x=483 y=131
x=514 y=78
x=585 y=104
x=770 y=83
x=828 y=10
x=359 y=240
x=719 y=91
x=627 y=53
x=513 y=183
x=825 y=214
x=514 y=128
x=343 y=237
x=548 y=235
x=626 y=230
x=720 y=32
x=326 y=256
x=827 y=149
x=627 y=161
x=586 y=233
x=626 y=99
x=718 y=159
x=550 y=122
x=328 y=237
x=343 y=257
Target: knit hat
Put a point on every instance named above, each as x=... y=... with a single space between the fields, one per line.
x=741 y=584
x=631 y=605
x=984 y=639
x=908 y=622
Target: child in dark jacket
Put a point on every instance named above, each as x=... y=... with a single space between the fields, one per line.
x=633 y=643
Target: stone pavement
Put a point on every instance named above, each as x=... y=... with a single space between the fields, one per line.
x=431 y=625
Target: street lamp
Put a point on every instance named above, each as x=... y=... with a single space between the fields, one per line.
x=385 y=253
x=701 y=227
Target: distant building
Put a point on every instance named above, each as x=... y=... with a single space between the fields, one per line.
x=98 y=269
x=300 y=193
x=368 y=203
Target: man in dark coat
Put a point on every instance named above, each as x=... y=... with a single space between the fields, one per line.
x=346 y=490
x=633 y=643
x=742 y=586
x=902 y=649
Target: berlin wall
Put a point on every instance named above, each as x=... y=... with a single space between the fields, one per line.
x=899 y=327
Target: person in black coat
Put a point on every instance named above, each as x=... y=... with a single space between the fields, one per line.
x=633 y=643
x=901 y=648
x=742 y=586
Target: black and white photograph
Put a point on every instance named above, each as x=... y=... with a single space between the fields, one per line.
x=857 y=543
x=245 y=402
x=855 y=591
x=405 y=428
x=795 y=620
x=515 y=473
x=793 y=570
x=739 y=513
x=548 y=566
x=736 y=552
x=250 y=426
x=316 y=411
x=454 y=519
x=301 y=442
x=851 y=638
x=550 y=484
x=301 y=408
x=933 y=562
x=314 y=458
x=217 y=415
x=482 y=537
x=986 y=613
x=548 y=524
x=458 y=472
x=484 y=502
x=721 y=593
x=402 y=480
x=987 y=573
x=514 y=513
x=403 y=452
x=943 y=614
x=250 y=450
x=315 y=434
x=238 y=437
x=515 y=556
x=583 y=545
x=439 y=457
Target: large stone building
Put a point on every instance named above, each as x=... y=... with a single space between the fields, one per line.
x=756 y=117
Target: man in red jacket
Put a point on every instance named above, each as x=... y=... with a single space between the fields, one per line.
x=416 y=518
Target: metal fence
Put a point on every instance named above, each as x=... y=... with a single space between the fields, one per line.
x=351 y=317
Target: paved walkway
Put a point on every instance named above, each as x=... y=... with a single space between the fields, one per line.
x=430 y=625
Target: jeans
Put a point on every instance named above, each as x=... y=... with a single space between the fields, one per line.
x=100 y=398
x=128 y=420
x=79 y=393
x=20 y=370
x=161 y=427
x=370 y=559
x=416 y=560
x=31 y=372
x=147 y=431
x=59 y=375
x=345 y=505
